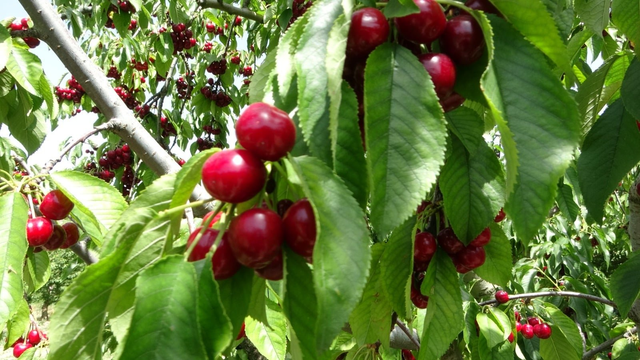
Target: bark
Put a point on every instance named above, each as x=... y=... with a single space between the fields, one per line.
x=243 y=12
x=634 y=237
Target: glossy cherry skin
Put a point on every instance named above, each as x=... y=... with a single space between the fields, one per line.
x=502 y=296
x=299 y=225
x=452 y=102
x=543 y=331
x=419 y=300
x=533 y=321
x=266 y=131
x=482 y=5
x=527 y=331
x=407 y=355
x=369 y=28
x=34 y=337
x=471 y=257
x=255 y=237
x=234 y=175
x=482 y=239
x=462 y=40
x=449 y=242
x=442 y=72
x=56 y=240
x=511 y=337
x=18 y=349
x=425 y=26
x=501 y=215
x=223 y=262
x=424 y=247
x=215 y=219
x=73 y=234
x=56 y=205
x=273 y=271
x=39 y=230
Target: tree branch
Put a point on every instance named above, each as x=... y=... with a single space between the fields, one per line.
x=25 y=33
x=243 y=12
x=82 y=250
x=51 y=163
x=605 y=345
x=553 y=293
x=410 y=334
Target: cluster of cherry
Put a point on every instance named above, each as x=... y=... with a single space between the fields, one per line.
x=212 y=28
x=298 y=8
x=182 y=38
x=127 y=96
x=24 y=25
x=43 y=233
x=184 y=88
x=123 y=7
x=113 y=160
x=218 y=67
x=74 y=92
x=533 y=327
x=34 y=337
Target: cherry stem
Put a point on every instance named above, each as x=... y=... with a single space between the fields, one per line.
x=589 y=354
x=33 y=210
x=202 y=229
x=225 y=225
x=553 y=293
x=408 y=332
x=181 y=208
x=454 y=3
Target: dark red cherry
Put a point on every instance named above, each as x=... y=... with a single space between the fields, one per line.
x=501 y=215
x=266 y=131
x=482 y=5
x=424 y=247
x=56 y=205
x=283 y=206
x=56 y=240
x=234 y=175
x=533 y=321
x=39 y=230
x=543 y=331
x=442 y=72
x=223 y=262
x=299 y=225
x=255 y=237
x=462 y=40
x=419 y=300
x=273 y=271
x=527 y=331
x=482 y=239
x=407 y=355
x=425 y=26
x=471 y=257
x=369 y=28
x=502 y=296
x=452 y=102
x=420 y=266
x=449 y=242
x=20 y=348
x=73 y=234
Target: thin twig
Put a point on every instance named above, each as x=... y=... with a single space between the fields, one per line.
x=408 y=332
x=82 y=250
x=22 y=163
x=553 y=293
x=589 y=354
x=243 y=12
x=51 y=163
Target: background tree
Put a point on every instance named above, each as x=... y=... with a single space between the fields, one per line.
x=378 y=231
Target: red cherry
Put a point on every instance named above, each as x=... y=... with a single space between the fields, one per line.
x=73 y=234
x=234 y=175
x=299 y=225
x=501 y=215
x=516 y=315
x=20 y=348
x=462 y=40
x=369 y=28
x=452 y=102
x=56 y=205
x=482 y=239
x=425 y=26
x=210 y=27
x=266 y=131
x=527 y=331
x=39 y=230
x=283 y=206
x=543 y=331
x=449 y=242
x=424 y=247
x=533 y=321
x=15 y=27
x=223 y=262
x=34 y=337
x=215 y=218
x=20 y=340
x=471 y=257
x=273 y=271
x=502 y=296
x=419 y=300
x=482 y=5
x=242 y=333
x=511 y=337
x=420 y=266
x=407 y=355
x=255 y=237
x=56 y=240
x=518 y=327
x=442 y=72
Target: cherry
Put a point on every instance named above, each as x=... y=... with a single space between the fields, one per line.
x=424 y=247
x=283 y=206
x=511 y=337
x=299 y=225
x=501 y=215
x=234 y=175
x=407 y=355
x=20 y=340
x=420 y=266
x=266 y=131
x=425 y=26
x=39 y=230
x=56 y=240
x=527 y=331
x=502 y=296
x=471 y=257
x=273 y=271
x=255 y=237
x=449 y=242
x=56 y=205
x=419 y=300
x=20 y=348
x=518 y=327
x=223 y=262
x=482 y=239
x=516 y=314
x=533 y=321
x=242 y=333
x=482 y=5
x=452 y=102
x=34 y=337
x=442 y=72
x=543 y=331
x=462 y=40
x=369 y=28
x=216 y=218
x=73 y=234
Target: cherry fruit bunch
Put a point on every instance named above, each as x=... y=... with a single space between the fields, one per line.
x=33 y=338
x=254 y=238
x=42 y=231
x=24 y=25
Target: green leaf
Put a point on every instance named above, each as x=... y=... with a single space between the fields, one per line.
x=235 y=293
x=497 y=266
x=472 y=185
x=557 y=347
x=285 y=67
x=36 y=271
x=610 y=151
x=257 y=306
x=313 y=83
x=26 y=125
x=626 y=16
x=13 y=247
x=19 y=322
x=630 y=90
x=405 y=134
x=566 y=203
x=567 y=326
x=189 y=176
x=164 y=323
x=348 y=155
x=444 y=319
x=25 y=68
x=594 y=13
x=341 y=255
x=46 y=91
x=532 y=19
x=624 y=289
x=396 y=267
x=490 y=329
x=270 y=340
x=6 y=160
x=5 y=46
x=261 y=78
x=538 y=121
x=502 y=351
x=300 y=303
x=399 y=8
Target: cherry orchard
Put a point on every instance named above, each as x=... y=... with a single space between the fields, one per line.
x=411 y=179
